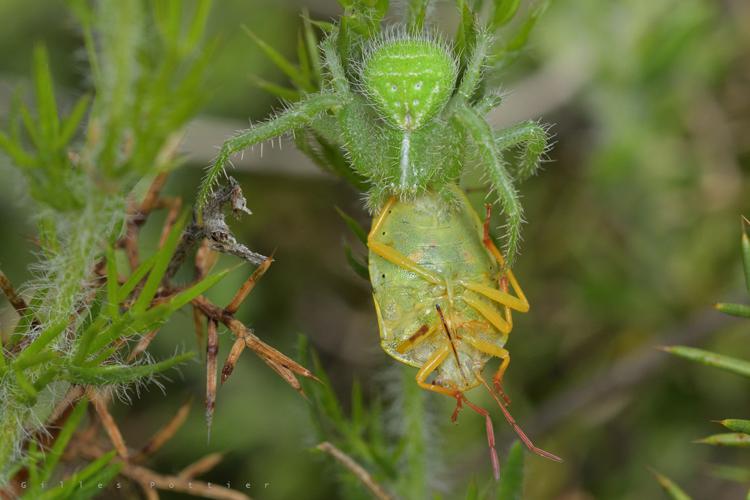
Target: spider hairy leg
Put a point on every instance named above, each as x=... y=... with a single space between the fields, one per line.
x=298 y=115
x=532 y=137
x=333 y=63
x=481 y=134
x=473 y=73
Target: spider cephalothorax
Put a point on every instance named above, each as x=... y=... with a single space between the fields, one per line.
x=410 y=79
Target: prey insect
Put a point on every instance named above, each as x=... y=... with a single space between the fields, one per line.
x=444 y=297
x=405 y=113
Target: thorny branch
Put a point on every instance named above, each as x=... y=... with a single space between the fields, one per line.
x=214 y=234
x=215 y=230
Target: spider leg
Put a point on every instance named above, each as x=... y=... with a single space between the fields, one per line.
x=333 y=63
x=488 y=103
x=473 y=72
x=298 y=115
x=533 y=137
x=481 y=134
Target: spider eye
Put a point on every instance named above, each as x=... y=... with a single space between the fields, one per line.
x=418 y=85
x=393 y=87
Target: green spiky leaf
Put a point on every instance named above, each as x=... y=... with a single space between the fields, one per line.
x=736 y=425
x=709 y=358
x=164 y=255
x=739 y=310
x=287 y=67
x=511 y=474
x=670 y=487
x=746 y=252
x=735 y=439
x=353 y=226
x=113 y=375
x=359 y=268
x=504 y=10
x=43 y=340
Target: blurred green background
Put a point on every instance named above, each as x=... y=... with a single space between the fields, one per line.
x=632 y=234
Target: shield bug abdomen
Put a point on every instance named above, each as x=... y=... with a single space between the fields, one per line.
x=433 y=277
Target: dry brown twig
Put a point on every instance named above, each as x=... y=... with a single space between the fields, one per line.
x=355 y=469
x=212 y=234
x=164 y=434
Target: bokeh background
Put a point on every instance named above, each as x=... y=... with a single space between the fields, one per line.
x=632 y=234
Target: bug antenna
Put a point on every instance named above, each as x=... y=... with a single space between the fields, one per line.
x=522 y=435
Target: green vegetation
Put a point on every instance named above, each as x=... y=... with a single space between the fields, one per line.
x=629 y=239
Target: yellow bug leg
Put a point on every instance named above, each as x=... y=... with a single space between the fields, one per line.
x=416 y=338
x=391 y=254
x=519 y=303
x=498 y=352
x=499 y=296
x=429 y=366
x=491 y=314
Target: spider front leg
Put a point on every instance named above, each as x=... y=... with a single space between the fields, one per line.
x=481 y=135
x=298 y=115
x=533 y=137
x=473 y=73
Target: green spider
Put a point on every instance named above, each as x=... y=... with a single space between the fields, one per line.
x=408 y=123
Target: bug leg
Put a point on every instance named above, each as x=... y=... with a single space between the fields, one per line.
x=416 y=338
x=391 y=254
x=490 y=433
x=428 y=367
x=491 y=314
x=298 y=115
x=519 y=302
x=499 y=352
x=437 y=358
x=533 y=137
x=522 y=435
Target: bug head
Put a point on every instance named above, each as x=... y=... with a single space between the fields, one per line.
x=409 y=79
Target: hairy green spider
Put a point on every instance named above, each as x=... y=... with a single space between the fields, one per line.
x=408 y=124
